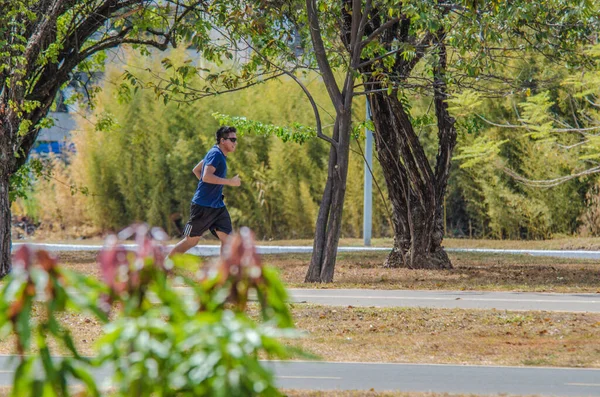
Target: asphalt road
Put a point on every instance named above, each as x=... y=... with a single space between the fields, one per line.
x=514 y=301
x=479 y=380
x=450 y=299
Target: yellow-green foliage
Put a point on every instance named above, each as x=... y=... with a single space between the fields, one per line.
x=57 y=204
x=136 y=158
x=529 y=143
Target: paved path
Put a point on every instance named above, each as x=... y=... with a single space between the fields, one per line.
x=450 y=299
x=514 y=301
x=212 y=250
x=573 y=254
x=480 y=380
x=460 y=379
x=201 y=250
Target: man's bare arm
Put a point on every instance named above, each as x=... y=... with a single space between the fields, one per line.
x=198 y=169
x=210 y=177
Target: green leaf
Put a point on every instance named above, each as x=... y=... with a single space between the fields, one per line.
x=24 y=378
x=86 y=378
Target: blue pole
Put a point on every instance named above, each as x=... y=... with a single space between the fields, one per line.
x=368 y=184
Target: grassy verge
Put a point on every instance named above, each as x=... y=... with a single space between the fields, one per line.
x=457 y=336
x=472 y=271
x=411 y=335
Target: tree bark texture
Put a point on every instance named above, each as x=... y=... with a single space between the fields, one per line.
x=329 y=219
x=416 y=190
x=6 y=160
x=313 y=275
x=416 y=193
x=4 y=225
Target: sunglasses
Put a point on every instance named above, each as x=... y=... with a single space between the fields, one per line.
x=234 y=140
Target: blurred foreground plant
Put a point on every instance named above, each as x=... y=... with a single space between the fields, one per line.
x=161 y=340
x=37 y=279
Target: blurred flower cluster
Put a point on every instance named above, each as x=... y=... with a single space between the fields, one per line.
x=166 y=332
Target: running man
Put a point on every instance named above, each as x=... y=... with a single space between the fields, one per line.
x=208 y=211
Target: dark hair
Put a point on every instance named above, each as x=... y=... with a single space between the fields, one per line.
x=223 y=131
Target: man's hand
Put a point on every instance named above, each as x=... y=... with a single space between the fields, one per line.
x=235 y=181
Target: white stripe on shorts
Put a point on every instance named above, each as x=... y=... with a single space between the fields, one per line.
x=188 y=229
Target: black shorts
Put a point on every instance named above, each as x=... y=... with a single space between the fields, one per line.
x=207 y=218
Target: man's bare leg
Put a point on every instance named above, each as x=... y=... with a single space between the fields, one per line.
x=184 y=245
x=223 y=238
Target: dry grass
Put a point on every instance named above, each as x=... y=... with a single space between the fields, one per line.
x=457 y=336
x=472 y=271
x=85 y=329
x=413 y=335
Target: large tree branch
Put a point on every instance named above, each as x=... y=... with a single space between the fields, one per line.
x=168 y=35
x=49 y=12
x=306 y=92
x=406 y=67
x=420 y=49
x=321 y=56
x=122 y=39
x=91 y=24
x=73 y=43
x=361 y=153
x=391 y=127
x=583 y=131
x=446 y=130
x=388 y=24
x=357 y=17
x=547 y=183
x=53 y=76
x=371 y=61
x=364 y=21
x=358 y=28
x=191 y=94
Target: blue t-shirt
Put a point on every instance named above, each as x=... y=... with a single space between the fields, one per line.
x=208 y=194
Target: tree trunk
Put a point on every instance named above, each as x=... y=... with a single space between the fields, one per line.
x=416 y=194
x=5 y=221
x=313 y=275
x=329 y=220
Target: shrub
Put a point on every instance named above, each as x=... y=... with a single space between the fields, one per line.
x=158 y=340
